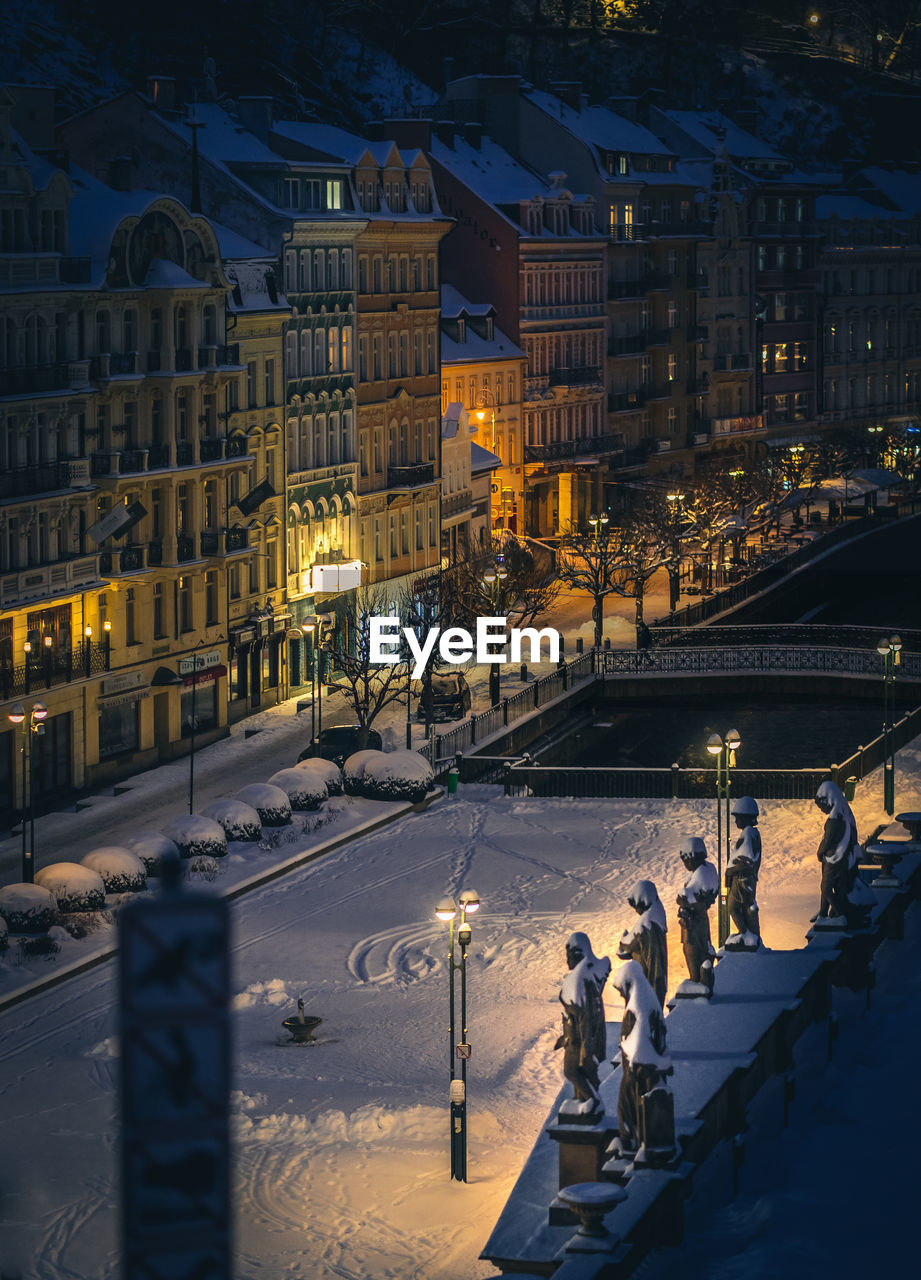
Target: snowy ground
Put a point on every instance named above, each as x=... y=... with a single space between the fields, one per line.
x=341 y=1148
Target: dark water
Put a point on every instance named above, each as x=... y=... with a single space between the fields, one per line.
x=790 y=734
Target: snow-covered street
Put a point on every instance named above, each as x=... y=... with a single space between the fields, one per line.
x=341 y=1148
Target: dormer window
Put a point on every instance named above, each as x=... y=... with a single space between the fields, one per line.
x=292 y=193
x=334 y=193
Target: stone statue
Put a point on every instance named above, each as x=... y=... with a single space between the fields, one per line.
x=742 y=878
x=701 y=890
x=643 y=1062
x=583 y=1040
x=646 y=941
x=846 y=901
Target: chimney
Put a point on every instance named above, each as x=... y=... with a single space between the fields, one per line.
x=119 y=178
x=161 y=90
x=473 y=134
x=255 y=114
x=569 y=91
x=444 y=132
x=625 y=107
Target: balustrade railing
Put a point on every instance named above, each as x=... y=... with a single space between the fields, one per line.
x=48 y=668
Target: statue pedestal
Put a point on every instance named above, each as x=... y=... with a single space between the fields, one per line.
x=581 y=1151
x=742 y=942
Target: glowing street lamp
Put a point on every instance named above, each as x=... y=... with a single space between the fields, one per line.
x=889 y=648
x=459 y=1051
x=32 y=722
x=723 y=751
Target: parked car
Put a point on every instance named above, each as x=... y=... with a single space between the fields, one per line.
x=450 y=697
x=339 y=742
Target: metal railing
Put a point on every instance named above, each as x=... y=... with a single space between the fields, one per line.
x=410 y=477
x=749 y=660
x=45 y=669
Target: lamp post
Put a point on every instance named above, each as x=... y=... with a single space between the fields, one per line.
x=492 y=583
x=723 y=751
x=674 y=500
x=308 y=629
x=33 y=722
x=107 y=629
x=459 y=1051
x=889 y=648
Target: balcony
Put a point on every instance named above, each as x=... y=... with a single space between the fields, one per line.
x=236 y=539
x=124 y=462
x=411 y=477
x=120 y=560
x=626 y=401
x=183 y=361
x=627 y=234
x=155 y=551
x=210 y=449
x=575 y=377
x=456 y=502
x=210 y=542
x=560 y=450
x=48 y=668
x=736 y=426
x=65 y=576
x=41 y=379
x=153 y=361
x=632 y=346
x=740 y=362
x=621 y=290
x=185 y=549
x=24 y=482
x=117 y=364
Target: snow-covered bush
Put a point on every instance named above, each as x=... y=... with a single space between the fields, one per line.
x=326 y=771
x=75 y=888
x=353 y=770
x=195 y=835
x=202 y=868
x=27 y=908
x=240 y=821
x=4 y=935
x=122 y=871
x=397 y=775
x=270 y=803
x=304 y=790
x=152 y=847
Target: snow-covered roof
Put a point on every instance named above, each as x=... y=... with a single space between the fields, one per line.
x=96 y=211
x=164 y=274
x=451 y=420
x=221 y=137
x=482 y=459
x=339 y=146
x=490 y=171
x=251 y=281
x=40 y=168
x=475 y=346
x=600 y=126
x=901 y=188
x=844 y=206
x=233 y=245
x=453 y=304
x=714 y=130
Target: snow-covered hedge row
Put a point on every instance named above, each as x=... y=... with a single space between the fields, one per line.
x=323 y=771
x=240 y=821
x=304 y=790
x=194 y=835
x=122 y=871
x=353 y=770
x=75 y=888
x=270 y=803
x=28 y=908
x=4 y=934
x=396 y=775
x=152 y=847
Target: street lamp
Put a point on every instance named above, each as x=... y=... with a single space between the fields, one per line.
x=309 y=627
x=492 y=583
x=33 y=722
x=459 y=1051
x=598 y=524
x=889 y=648
x=723 y=750
x=674 y=500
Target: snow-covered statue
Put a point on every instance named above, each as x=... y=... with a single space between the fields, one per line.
x=845 y=900
x=583 y=1040
x=742 y=878
x=700 y=891
x=643 y=1061
x=646 y=942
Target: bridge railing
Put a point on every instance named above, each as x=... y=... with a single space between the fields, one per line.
x=809 y=635
x=749 y=659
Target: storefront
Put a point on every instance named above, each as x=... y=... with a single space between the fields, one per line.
x=198 y=702
x=256 y=664
x=118 y=707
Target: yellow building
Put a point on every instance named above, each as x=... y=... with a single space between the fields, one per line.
x=131 y=428
x=483 y=370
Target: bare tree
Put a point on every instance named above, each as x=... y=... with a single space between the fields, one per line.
x=590 y=562
x=368 y=687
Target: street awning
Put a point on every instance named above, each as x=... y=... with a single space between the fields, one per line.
x=203 y=677
x=119 y=699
